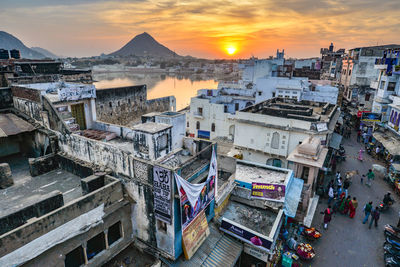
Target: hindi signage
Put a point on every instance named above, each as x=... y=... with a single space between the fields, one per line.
x=273 y=192
x=162 y=194
x=195 y=234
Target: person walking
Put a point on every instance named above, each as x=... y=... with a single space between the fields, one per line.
x=353 y=206
x=339 y=186
x=360 y=154
x=367 y=211
x=331 y=194
x=362 y=178
x=358 y=136
x=327 y=216
x=374 y=217
x=370 y=176
x=346 y=185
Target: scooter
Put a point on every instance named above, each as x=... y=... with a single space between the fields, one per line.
x=389 y=248
x=394 y=242
x=384 y=207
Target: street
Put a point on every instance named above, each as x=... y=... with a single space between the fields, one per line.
x=348 y=242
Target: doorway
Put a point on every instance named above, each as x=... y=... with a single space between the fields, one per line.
x=78 y=112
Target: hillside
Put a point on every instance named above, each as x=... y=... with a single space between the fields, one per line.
x=8 y=41
x=45 y=52
x=142 y=45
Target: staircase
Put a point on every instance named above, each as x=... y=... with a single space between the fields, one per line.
x=68 y=118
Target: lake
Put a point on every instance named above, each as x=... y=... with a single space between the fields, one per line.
x=183 y=87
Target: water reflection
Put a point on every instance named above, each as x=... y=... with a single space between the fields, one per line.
x=183 y=87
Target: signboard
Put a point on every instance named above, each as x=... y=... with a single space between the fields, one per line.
x=371 y=116
x=246 y=235
x=162 y=194
x=76 y=92
x=255 y=252
x=274 y=192
x=196 y=197
x=195 y=234
x=322 y=127
x=361 y=112
x=203 y=134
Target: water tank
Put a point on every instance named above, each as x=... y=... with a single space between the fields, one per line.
x=4 y=54
x=14 y=53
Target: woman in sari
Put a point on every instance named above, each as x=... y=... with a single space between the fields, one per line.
x=344 y=206
x=353 y=206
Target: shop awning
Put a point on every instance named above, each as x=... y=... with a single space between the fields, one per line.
x=292 y=197
x=225 y=253
x=390 y=142
x=336 y=140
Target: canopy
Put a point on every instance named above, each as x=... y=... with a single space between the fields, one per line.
x=390 y=142
x=292 y=197
x=336 y=140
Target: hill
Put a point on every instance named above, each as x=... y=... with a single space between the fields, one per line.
x=45 y=52
x=144 y=45
x=8 y=41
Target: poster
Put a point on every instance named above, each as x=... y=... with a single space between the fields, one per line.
x=195 y=234
x=194 y=198
x=162 y=194
x=274 y=192
x=246 y=235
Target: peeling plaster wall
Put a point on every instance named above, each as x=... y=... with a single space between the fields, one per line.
x=127 y=104
x=28 y=107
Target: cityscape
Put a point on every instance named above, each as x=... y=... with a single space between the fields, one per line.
x=132 y=136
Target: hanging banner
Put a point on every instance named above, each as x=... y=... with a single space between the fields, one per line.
x=195 y=197
x=195 y=234
x=274 y=192
x=162 y=194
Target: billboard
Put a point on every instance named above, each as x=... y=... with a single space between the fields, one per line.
x=274 y=192
x=371 y=116
x=162 y=194
x=195 y=234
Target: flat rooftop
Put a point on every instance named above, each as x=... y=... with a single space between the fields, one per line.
x=250 y=173
x=28 y=190
x=151 y=127
x=293 y=109
x=260 y=220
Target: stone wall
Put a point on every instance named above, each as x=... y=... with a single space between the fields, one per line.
x=6 y=100
x=127 y=104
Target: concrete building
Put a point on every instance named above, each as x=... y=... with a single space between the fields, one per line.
x=257 y=68
x=358 y=71
x=268 y=132
x=331 y=62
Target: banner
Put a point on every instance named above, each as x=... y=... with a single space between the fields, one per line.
x=195 y=234
x=162 y=194
x=371 y=116
x=195 y=197
x=274 y=192
x=249 y=236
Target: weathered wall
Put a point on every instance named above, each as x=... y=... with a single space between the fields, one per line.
x=26 y=93
x=31 y=108
x=6 y=100
x=127 y=104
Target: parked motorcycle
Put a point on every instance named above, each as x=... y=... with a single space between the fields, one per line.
x=395 y=242
x=389 y=248
x=392 y=230
x=391 y=260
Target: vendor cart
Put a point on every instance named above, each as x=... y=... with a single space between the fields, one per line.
x=394 y=176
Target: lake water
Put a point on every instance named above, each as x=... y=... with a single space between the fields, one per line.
x=158 y=85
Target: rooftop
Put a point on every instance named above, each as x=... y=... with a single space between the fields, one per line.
x=310 y=152
x=10 y=124
x=151 y=127
x=252 y=172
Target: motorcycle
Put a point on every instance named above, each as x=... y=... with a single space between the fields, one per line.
x=342 y=152
x=395 y=242
x=391 y=260
x=389 y=248
x=384 y=207
x=389 y=229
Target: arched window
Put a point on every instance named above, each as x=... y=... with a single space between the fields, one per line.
x=275 y=140
x=198 y=125
x=212 y=127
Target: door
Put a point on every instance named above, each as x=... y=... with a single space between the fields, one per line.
x=78 y=112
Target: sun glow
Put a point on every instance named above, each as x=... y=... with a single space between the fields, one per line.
x=230 y=50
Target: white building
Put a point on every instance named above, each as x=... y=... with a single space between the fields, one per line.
x=257 y=68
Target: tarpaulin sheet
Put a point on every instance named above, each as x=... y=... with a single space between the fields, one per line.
x=292 y=197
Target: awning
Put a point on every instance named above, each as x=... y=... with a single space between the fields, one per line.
x=390 y=142
x=225 y=253
x=336 y=140
x=292 y=197
x=11 y=124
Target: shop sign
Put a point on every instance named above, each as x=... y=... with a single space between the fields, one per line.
x=255 y=252
x=361 y=112
x=274 y=192
x=162 y=194
x=371 y=116
x=194 y=235
x=246 y=235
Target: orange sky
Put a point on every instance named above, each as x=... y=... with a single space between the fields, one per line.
x=203 y=28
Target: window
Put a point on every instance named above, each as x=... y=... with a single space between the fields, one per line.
x=273 y=94
x=349 y=72
x=75 y=258
x=225 y=109
x=344 y=72
x=275 y=140
x=200 y=111
x=259 y=93
x=95 y=245
x=198 y=125
x=382 y=85
x=129 y=101
x=236 y=106
x=212 y=127
x=119 y=103
x=110 y=104
x=367 y=96
x=162 y=226
x=187 y=124
x=391 y=86
x=114 y=233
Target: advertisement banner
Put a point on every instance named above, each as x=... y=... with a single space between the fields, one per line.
x=195 y=197
x=273 y=192
x=162 y=194
x=371 y=116
x=246 y=235
x=195 y=234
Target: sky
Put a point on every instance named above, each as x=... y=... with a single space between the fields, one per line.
x=203 y=28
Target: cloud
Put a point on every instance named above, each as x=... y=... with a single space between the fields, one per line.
x=203 y=28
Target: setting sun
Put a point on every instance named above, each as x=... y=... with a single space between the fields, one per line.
x=231 y=50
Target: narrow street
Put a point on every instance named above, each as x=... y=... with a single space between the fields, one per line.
x=348 y=242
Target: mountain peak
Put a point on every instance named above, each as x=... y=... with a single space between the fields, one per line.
x=144 y=45
x=8 y=41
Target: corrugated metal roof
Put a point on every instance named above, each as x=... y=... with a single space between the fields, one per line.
x=225 y=253
x=10 y=124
